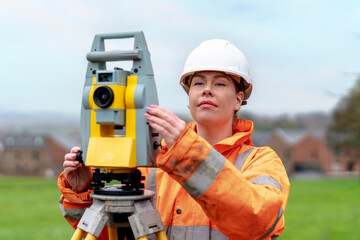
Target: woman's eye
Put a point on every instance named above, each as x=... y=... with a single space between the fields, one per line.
x=198 y=83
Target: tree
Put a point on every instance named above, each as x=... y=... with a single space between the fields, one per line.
x=344 y=130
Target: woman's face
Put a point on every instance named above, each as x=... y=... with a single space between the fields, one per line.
x=213 y=98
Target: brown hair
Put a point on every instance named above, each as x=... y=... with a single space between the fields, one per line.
x=239 y=87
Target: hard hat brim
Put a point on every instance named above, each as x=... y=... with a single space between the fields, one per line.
x=186 y=85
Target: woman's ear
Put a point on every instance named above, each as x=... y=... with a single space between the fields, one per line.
x=239 y=99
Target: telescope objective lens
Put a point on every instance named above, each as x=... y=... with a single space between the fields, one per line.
x=103 y=96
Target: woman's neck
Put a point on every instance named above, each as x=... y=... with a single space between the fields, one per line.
x=214 y=133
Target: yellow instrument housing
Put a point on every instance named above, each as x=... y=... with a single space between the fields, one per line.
x=105 y=149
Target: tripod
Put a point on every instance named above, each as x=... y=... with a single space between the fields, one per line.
x=143 y=219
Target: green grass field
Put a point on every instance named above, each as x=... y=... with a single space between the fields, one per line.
x=324 y=209
x=317 y=209
x=29 y=210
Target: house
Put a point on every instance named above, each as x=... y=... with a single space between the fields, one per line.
x=311 y=153
x=347 y=161
x=33 y=155
x=280 y=142
x=307 y=151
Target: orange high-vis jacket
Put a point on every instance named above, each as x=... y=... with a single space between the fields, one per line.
x=231 y=190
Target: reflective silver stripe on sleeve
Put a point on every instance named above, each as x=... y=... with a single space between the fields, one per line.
x=205 y=175
x=281 y=211
x=241 y=158
x=264 y=179
x=71 y=213
x=194 y=232
x=151 y=184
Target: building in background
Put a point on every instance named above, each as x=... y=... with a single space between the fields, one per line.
x=305 y=151
x=301 y=151
x=34 y=155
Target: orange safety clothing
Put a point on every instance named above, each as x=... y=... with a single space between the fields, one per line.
x=73 y=205
x=227 y=191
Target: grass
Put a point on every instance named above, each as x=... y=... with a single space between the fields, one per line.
x=29 y=210
x=326 y=209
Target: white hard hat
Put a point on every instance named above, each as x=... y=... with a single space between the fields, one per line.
x=217 y=55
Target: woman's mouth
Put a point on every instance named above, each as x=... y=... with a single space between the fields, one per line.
x=207 y=104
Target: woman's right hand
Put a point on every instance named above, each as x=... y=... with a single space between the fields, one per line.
x=78 y=175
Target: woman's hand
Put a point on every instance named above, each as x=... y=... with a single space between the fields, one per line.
x=166 y=123
x=78 y=175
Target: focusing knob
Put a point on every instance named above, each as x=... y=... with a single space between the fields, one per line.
x=79 y=157
x=156 y=145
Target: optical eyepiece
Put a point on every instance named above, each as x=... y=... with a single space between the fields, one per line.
x=103 y=96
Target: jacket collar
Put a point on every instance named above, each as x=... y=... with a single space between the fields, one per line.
x=242 y=130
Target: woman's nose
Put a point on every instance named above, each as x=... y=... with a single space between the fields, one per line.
x=207 y=91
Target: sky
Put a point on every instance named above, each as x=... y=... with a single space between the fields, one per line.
x=304 y=55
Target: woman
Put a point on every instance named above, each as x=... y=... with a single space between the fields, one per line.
x=211 y=182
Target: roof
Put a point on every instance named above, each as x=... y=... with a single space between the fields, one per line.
x=66 y=141
x=290 y=136
x=23 y=141
x=259 y=138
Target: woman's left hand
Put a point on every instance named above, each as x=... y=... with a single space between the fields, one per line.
x=166 y=123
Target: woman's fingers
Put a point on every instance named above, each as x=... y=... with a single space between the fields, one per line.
x=165 y=122
x=164 y=116
x=78 y=175
x=75 y=149
x=161 y=121
x=159 y=124
x=70 y=156
x=70 y=164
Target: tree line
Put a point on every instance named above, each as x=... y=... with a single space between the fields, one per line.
x=344 y=128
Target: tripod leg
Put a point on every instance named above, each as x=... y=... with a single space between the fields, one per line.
x=112 y=233
x=90 y=237
x=161 y=235
x=78 y=234
x=142 y=238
